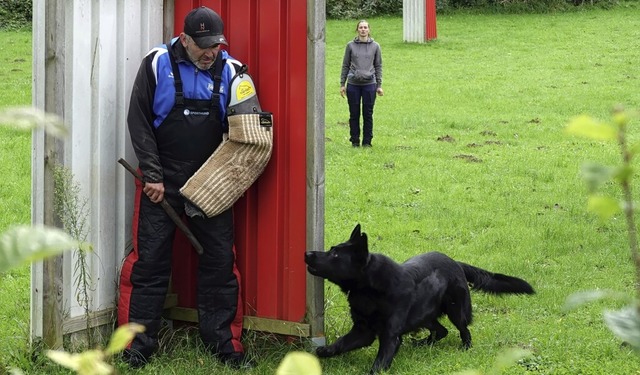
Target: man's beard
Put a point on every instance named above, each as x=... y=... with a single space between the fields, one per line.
x=197 y=63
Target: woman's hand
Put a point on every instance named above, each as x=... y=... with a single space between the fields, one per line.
x=342 y=91
x=379 y=91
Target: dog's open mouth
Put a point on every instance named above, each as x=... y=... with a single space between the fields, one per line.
x=312 y=270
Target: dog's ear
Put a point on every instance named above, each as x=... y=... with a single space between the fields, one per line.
x=364 y=242
x=360 y=249
x=356 y=233
x=360 y=238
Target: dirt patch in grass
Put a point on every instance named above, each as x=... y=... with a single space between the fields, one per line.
x=492 y=142
x=404 y=148
x=446 y=138
x=468 y=158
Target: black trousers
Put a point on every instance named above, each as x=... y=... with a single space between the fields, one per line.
x=146 y=272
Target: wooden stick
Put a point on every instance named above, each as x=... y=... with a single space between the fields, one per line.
x=168 y=209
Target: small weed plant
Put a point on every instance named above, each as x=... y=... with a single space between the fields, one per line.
x=72 y=212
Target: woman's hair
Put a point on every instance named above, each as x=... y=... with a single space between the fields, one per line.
x=361 y=21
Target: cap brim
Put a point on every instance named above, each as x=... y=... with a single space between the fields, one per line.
x=208 y=41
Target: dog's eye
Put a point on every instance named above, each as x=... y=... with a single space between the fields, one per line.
x=334 y=255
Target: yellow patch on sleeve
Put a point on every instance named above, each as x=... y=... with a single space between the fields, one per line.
x=244 y=90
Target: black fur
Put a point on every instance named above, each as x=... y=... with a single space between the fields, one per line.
x=388 y=300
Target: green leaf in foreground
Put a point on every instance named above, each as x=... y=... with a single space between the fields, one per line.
x=122 y=337
x=90 y=362
x=508 y=358
x=582 y=298
x=625 y=324
x=504 y=360
x=595 y=175
x=29 y=118
x=604 y=207
x=24 y=244
x=295 y=363
x=586 y=126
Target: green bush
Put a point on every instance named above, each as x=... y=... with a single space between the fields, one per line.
x=15 y=14
x=357 y=9
x=521 y=6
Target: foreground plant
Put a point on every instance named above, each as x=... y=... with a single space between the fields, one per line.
x=26 y=244
x=503 y=361
x=296 y=363
x=95 y=362
x=624 y=323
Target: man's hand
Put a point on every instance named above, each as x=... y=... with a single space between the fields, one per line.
x=342 y=91
x=155 y=191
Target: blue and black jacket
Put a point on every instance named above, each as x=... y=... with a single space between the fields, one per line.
x=153 y=97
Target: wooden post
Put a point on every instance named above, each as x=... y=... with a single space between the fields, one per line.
x=53 y=101
x=315 y=160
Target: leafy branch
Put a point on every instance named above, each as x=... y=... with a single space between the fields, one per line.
x=624 y=323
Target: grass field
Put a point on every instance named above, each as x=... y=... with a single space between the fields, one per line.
x=469 y=158
x=15 y=191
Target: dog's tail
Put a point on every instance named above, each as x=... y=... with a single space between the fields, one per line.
x=495 y=283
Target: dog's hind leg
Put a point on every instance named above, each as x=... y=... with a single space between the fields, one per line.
x=389 y=346
x=458 y=309
x=461 y=322
x=465 y=336
x=436 y=333
x=358 y=337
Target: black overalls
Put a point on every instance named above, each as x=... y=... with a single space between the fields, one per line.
x=186 y=138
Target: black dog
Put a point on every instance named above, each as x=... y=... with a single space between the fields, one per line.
x=388 y=299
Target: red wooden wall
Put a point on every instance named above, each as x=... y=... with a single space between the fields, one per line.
x=270 y=37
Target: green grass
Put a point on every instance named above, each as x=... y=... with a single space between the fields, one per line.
x=469 y=158
x=15 y=154
x=15 y=191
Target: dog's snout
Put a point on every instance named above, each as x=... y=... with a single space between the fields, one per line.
x=309 y=255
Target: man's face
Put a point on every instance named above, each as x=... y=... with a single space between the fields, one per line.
x=203 y=58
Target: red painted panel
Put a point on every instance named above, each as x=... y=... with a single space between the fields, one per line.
x=430 y=27
x=270 y=37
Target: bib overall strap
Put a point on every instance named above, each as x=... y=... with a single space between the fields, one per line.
x=177 y=81
x=216 y=73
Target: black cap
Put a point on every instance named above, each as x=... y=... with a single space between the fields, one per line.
x=205 y=27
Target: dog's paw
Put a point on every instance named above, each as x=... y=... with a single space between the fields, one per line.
x=325 y=351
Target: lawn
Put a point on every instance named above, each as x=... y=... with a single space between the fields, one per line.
x=469 y=158
x=15 y=191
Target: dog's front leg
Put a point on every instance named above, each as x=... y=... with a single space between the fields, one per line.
x=359 y=336
x=389 y=345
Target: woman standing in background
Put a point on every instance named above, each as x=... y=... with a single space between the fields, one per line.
x=362 y=75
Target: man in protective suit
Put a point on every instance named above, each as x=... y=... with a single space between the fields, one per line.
x=176 y=119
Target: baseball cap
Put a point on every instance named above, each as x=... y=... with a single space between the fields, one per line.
x=205 y=27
